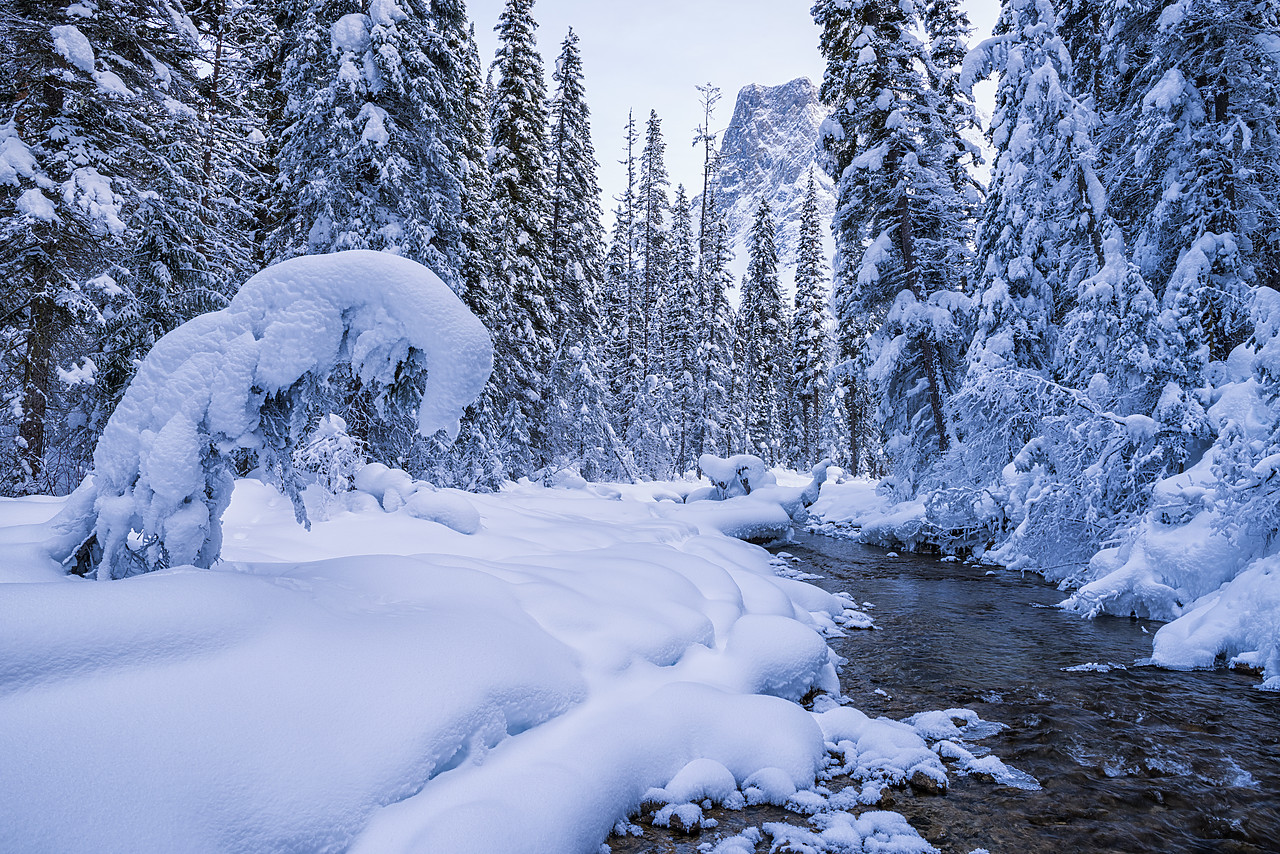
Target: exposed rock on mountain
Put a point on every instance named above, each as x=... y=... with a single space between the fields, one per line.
x=766 y=152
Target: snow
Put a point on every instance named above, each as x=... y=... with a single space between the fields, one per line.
x=71 y=44
x=350 y=34
x=110 y=82
x=375 y=124
x=94 y=194
x=1241 y=618
x=385 y=13
x=35 y=204
x=383 y=683
x=16 y=159
x=1168 y=91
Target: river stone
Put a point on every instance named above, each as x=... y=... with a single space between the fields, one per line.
x=927 y=785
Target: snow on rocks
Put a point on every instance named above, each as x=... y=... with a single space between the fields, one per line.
x=162 y=465
x=874 y=830
x=745 y=499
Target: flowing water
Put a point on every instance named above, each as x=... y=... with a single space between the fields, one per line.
x=1130 y=760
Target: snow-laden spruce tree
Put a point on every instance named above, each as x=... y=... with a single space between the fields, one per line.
x=102 y=113
x=474 y=461
x=763 y=341
x=574 y=230
x=1040 y=236
x=615 y=304
x=715 y=322
x=683 y=355
x=947 y=28
x=900 y=220
x=369 y=158
x=717 y=344
x=527 y=335
x=578 y=419
x=646 y=389
x=810 y=356
x=241 y=379
x=1041 y=134
x=653 y=253
x=1195 y=165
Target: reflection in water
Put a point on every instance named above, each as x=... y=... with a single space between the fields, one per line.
x=1131 y=758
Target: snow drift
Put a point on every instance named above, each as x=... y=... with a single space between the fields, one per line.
x=520 y=689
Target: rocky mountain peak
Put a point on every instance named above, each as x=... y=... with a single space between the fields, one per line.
x=766 y=152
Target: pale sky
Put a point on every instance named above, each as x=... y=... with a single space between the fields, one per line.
x=651 y=54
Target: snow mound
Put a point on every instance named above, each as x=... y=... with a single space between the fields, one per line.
x=874 y=830
x=736 y=475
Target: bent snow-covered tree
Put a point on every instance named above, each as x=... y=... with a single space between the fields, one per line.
x=236 y=378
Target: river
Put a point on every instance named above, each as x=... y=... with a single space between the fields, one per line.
x=1130 y=759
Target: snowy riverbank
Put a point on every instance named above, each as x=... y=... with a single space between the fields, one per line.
x=1220 y=599
x=386 y=683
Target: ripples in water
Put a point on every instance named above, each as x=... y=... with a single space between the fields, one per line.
x=1130 y=758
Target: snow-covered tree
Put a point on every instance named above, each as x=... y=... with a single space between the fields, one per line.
x=899 y=219
x=102 y=113
x=369 y=158
x=242 y=378
x=575 y=237
x=763 y=341
x=653 y=253
x=1043 y=185
x=578 y=420
x=522 y=200
x=682 y=358
x=947 y=28
x=717 y=343
x=1196 y=148
x=810 y=358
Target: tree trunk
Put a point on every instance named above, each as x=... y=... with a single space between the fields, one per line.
x=37 y=380
x=927 y=348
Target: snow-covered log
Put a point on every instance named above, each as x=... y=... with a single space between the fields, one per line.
x=162 y=471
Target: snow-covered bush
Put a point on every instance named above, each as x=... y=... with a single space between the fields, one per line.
x=331 y=457
x=236 y=379
x=736 y=475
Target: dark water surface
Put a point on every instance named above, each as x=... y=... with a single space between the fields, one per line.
x=1130 y=760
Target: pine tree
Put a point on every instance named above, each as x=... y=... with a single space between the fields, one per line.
x=810 y=361
x=521 y=207
x=764 y=341
x=719 y=424
x=651 y=237
x=947 y=27
x=1044 y=187
x=681 y=359
x=715 y=316
x=474 y=460
x=103 y=112
x=576 y=242
x=620 y=297
x=898 y=215
x=369 y=159
x=579 y=427
x=1195 y=144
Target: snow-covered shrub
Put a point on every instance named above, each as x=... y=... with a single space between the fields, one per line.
x=236 y=378
x=331 y=457
x=736 y=475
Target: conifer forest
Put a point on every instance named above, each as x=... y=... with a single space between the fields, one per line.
x=291 y=283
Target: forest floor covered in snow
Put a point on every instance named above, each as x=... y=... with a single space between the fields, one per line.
x=384 y=682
